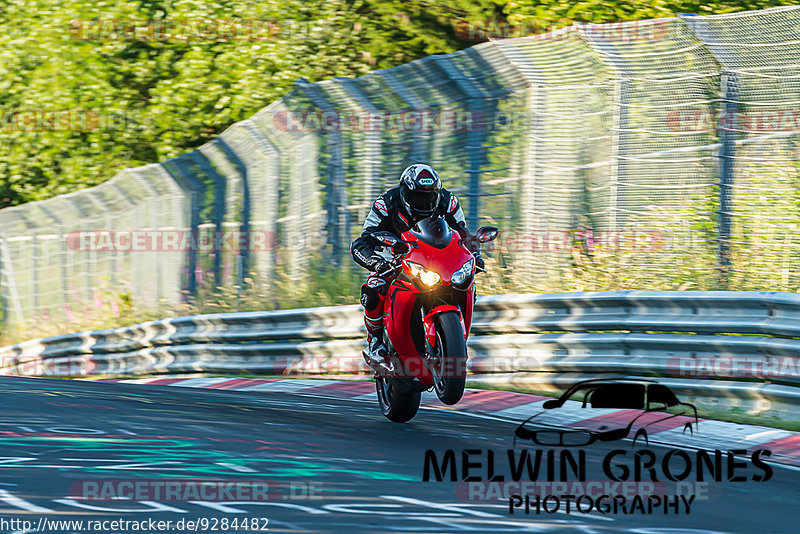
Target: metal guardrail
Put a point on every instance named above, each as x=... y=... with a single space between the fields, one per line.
x=736 y=346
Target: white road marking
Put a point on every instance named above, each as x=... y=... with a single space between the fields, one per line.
x=668 y=530
x=12 y=459
x=148 y=466
x=453 y=507
x=199 y=382
x=16 y=502
x=768 y=435
x=349 y=509
x=238 y=468
x=73 y=430
x=591 y=515
x=465 y=525
x=228 y=507
x=449 y=524
x=154 y=507
x=288 y=385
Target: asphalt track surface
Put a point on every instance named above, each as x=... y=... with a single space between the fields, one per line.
x=338 y=465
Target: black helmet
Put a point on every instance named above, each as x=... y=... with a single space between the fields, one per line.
x=420 y=189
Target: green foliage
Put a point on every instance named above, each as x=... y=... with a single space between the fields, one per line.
x=126 y=99
x=562 y=13
x=133 y=99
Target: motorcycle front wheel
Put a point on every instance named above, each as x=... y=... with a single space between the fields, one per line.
x=449 y=367
x=397 y=406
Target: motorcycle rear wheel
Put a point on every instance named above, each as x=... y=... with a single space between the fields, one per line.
x=396 y=405
x=450 y=365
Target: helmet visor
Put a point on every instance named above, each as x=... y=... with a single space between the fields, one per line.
x=423 y=201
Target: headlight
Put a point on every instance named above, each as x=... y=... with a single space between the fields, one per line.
x=463 y=273
x=429 y=278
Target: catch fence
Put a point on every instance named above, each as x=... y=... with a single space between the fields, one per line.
x=660 y=154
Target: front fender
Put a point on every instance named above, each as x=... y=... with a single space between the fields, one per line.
x=429 y=321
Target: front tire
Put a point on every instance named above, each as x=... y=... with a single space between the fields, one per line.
x=396 y=405
x=449 y=368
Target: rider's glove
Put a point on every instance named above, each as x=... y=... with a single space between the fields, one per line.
x=378 y=264
x=479 y=261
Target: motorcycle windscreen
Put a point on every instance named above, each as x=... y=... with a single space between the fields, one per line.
x=433 y=231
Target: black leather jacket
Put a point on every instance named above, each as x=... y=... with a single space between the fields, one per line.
x=389 y=214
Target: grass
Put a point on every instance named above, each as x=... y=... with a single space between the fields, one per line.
x=328 y=287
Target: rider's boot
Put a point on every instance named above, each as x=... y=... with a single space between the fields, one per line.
x=376 y=349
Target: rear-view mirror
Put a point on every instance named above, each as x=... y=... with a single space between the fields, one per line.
x=487 y=233
x=386 y=239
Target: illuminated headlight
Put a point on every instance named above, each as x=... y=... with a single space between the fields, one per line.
x=429 y=278
x=463 y=273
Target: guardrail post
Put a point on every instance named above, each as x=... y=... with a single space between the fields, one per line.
x=475 y=137
x=337 y=228
x=34 y=274
x=195 y=189
x=92 y=254
x=477 y=159
x=534 y=131
x=372 y=138
x=219 y=209
x=727 y=134
x=726 y=125
x=531 y=219
x=62 y=263
x=619 y=146
x=245 y=239
x=619 y=133
x=257 y=160
x=3 y=296
x=90 y=274
x=12 y=294
x=418 y=150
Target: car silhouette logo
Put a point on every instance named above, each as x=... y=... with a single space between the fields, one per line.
x=639 y=407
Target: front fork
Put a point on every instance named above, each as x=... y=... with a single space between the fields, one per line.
x=429 y=323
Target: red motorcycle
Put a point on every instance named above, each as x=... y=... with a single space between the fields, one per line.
x=427 y=316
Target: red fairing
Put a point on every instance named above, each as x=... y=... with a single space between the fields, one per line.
x=430 y=324
x=402 y=298
x=397 y=318
x=466 y=319
x=444 y=261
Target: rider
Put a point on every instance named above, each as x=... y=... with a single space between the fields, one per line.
x=419 y=195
